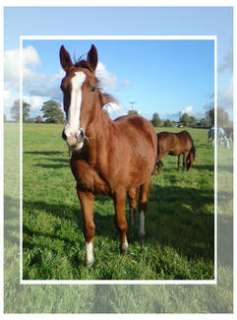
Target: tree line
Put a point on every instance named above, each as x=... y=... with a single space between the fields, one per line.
x=187 y=120
x=52 y=113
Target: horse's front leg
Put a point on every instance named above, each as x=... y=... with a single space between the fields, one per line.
x=121 y=222
x=87 y=200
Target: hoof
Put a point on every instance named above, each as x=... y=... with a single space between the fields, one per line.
x=89 y=263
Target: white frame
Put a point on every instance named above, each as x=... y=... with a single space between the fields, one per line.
x=118 y=282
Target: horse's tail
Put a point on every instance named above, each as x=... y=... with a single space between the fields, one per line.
x=192 y=153
x=158 y=162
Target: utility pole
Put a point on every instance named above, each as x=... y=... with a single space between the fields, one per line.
x=132 y=104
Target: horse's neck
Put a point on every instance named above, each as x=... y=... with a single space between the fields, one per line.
x=100 y=137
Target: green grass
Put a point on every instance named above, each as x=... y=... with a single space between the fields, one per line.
x=179 y=240
x=106 y=299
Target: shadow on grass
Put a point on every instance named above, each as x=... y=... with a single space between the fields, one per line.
x=227 y=168
x=45 y=153
x=209 y=167
x=181 y=218
x=11 y=219
x=176 y=217
x=53 y=161
x=64 y=164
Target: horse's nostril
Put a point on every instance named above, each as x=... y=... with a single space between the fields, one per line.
x=82 y=134
x=64 y=135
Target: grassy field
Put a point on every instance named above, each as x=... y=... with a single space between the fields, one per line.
x=179 y=240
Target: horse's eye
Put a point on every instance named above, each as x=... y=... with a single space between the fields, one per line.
x=93 y=88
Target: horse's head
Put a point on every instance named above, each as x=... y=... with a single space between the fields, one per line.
x=79 y=88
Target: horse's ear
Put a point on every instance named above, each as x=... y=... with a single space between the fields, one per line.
x=92 y=57
x=65 y=58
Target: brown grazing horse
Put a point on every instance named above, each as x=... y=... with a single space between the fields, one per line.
x=115 y=158
x=176 y=144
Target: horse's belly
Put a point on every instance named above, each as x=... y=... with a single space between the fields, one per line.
x=173 y=153
x=88 y=179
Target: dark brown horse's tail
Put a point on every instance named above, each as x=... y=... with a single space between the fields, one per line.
x=158 y=163
x=191 y=155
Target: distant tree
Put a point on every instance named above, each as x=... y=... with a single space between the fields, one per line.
x=31 y=120
x=15 y=111
x=132 y=112
x=188 y=120
x=26 y=111
x=52 y=112
x=204 y=123
x=184 y=119
x=192 y=121
x=173 y=123
x=168 y=123
x=38 y=119
x=156 y=121
x=222 y=117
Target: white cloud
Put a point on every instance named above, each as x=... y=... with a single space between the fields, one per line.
x=188 y=110
x=8 y=97
x=35 y=102
x=227 y=63
x=12 y=64
x=107 y=79
x=115 y=109
x=226 y=96
x=38 y=86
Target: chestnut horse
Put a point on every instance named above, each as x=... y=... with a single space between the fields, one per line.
x=115 y=158
x=176 y=144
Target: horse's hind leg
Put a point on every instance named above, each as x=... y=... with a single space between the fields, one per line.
x=144 y=190
x=121 y=222
x=87 y=200
x=184 y=160
x=178 y=161
x=132 y=196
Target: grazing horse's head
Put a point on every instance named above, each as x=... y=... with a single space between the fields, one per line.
x=79 y=88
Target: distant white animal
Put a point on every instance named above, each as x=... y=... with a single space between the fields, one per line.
x=221 y=137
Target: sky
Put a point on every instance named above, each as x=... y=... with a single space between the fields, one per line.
x=168 y=77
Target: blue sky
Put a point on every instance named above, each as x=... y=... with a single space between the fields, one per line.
x=161 y=76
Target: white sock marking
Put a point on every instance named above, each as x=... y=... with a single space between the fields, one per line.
x=142 y=223
x=125 y=244
x=89 y=253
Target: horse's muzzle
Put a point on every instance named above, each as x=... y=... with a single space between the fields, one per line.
x=75 y=139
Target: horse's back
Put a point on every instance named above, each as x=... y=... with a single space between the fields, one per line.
x=135 y=126
x=166 y=141
x=137 y=145
x=173 y=143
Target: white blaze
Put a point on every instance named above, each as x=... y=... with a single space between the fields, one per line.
x=89 y=253
x=73 y=124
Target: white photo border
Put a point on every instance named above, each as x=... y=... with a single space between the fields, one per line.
x=118 y=282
